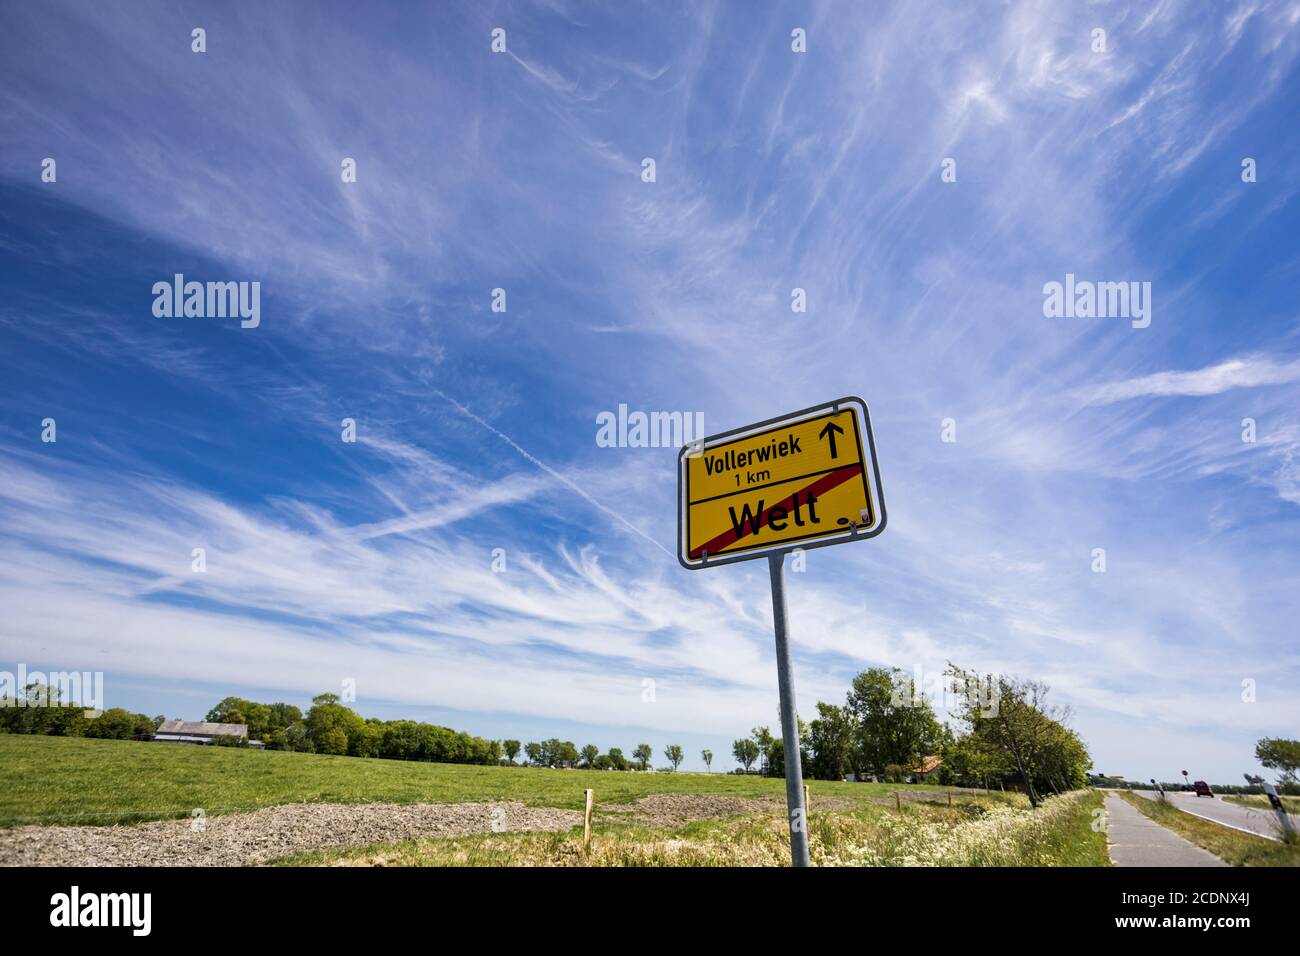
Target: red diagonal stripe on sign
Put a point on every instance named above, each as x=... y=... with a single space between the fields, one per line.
x=822 y=485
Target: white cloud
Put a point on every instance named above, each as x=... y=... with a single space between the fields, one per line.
x=1248 y=372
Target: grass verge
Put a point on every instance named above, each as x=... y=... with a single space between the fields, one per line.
x=1257 y=801
x=1232 y=846
x=977 y=830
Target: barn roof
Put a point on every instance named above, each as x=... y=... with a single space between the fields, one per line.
x=927 y=765
x=201 y=728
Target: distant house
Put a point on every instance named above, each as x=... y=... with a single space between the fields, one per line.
x=927 y=771
x=199 y=732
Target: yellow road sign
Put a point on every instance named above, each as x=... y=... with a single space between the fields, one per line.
x=804 y=480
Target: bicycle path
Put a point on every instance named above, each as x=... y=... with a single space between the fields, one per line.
x=1134 y=839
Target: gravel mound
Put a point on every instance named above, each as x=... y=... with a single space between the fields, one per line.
x=236 y=839
x=240 y=838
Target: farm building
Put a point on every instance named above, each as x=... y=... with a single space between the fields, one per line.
x=927 y=771
x=198 y=732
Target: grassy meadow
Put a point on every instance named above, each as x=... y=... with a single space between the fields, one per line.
x=73 y=781
x=69 y=780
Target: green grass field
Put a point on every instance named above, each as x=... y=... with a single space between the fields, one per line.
x=47 y=780
x=55 y=780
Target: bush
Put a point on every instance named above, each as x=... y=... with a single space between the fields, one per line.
x=118 y=724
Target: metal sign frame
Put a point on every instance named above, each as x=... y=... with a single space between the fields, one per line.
x=871 y=475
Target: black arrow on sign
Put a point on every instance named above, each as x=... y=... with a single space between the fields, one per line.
x=828 y=433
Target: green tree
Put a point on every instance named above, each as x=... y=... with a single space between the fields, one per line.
x=558 y=753
x=1064 y=760
x=892 y=723
x=535 y=754
x=589 y=755
x=707 y=757
x=1012 y=716
x=776 y=754
x=333 y=728
x=1279 y=753
x=675 y=755
x=746 y=752
x=39 y=709
x=830 y=742
x=511 y=748
x=642 y=755
x=118 y=724
x=973 y=761
x=237 y=710
x=293 y=737
x=284 y=715
x=616 y=759
x=762 y=737
x=369 y=740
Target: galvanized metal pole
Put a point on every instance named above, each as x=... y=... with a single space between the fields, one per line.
x=789 y=717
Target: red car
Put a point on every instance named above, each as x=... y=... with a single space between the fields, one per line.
x=1203 y=789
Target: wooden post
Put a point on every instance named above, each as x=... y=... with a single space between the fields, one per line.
x=949 y=799
x=898 y=801
x=586 y=821
x=807 y=807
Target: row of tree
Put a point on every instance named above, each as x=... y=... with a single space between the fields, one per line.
x=1005 y=731
x=330 y=727
x=42 y=712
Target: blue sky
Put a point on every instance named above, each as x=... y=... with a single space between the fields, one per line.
x=821 y=170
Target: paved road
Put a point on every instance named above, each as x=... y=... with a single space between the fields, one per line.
x=1261 y=822
x=1135 y=840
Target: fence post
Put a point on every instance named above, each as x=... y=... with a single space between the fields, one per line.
x=586 y=820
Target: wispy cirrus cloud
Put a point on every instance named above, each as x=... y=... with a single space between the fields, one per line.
x=775 y=170
x=1247 y=372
